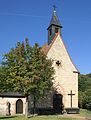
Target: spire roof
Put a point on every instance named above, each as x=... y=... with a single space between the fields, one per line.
x=54 y=19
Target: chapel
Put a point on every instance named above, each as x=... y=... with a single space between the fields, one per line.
x=64 y=97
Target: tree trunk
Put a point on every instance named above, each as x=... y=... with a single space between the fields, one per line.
x=26 y=111
x=34 y=105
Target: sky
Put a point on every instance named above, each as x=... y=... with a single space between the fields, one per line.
x=20 y=19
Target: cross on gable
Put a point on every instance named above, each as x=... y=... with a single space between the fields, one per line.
x=58 y=62
x=71 y=95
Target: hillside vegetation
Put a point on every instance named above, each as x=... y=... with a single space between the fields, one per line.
x=85 y=91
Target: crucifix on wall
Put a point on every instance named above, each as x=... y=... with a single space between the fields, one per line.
x=71 y=95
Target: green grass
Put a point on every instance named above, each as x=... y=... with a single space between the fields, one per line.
x=85 y=112
x=49 y=117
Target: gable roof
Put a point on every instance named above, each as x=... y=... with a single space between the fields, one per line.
x=45 y=49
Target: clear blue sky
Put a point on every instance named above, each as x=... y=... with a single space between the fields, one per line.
x=30 y=18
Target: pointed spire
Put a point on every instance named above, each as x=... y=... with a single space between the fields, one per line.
x=54 y=26
x=54 y=19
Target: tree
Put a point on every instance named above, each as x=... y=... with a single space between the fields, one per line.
x=28 y=71
x=2 y=79
x=81 y=100
x=85 y=91
x=89 y=75
x=88 y=98
x=84 y=82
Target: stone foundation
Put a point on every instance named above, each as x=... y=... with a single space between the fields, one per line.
x=72 y=110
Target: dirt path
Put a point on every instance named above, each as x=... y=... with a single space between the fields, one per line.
x=77 y=116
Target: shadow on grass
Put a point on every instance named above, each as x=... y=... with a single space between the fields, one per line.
x=6 y=117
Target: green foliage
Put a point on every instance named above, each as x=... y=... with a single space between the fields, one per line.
x=81 y=99
x=85 y=91
x=89 y=75
x=88 y=98
x=3 y=75
x=26 y=70
x=84 y=82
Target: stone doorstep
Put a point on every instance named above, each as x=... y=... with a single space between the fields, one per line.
x=72 y=110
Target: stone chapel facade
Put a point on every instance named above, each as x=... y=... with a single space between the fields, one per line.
x=65 y=96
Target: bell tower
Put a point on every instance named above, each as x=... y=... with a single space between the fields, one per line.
x=54 y=26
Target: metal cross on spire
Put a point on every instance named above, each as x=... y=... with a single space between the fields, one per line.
x=54 y=7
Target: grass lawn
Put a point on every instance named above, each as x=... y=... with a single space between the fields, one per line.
x=49 y=117
x=83 y=112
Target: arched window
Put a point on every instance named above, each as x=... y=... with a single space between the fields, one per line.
x=8 y=108
x=56 y=30
x=50 y=32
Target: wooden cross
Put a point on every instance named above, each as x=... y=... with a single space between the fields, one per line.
x=58 y=63
x=71 y=95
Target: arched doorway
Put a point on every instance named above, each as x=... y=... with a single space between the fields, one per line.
x=57 y=103
x=19 y=106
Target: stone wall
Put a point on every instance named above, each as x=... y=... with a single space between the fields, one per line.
x=65 y=77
